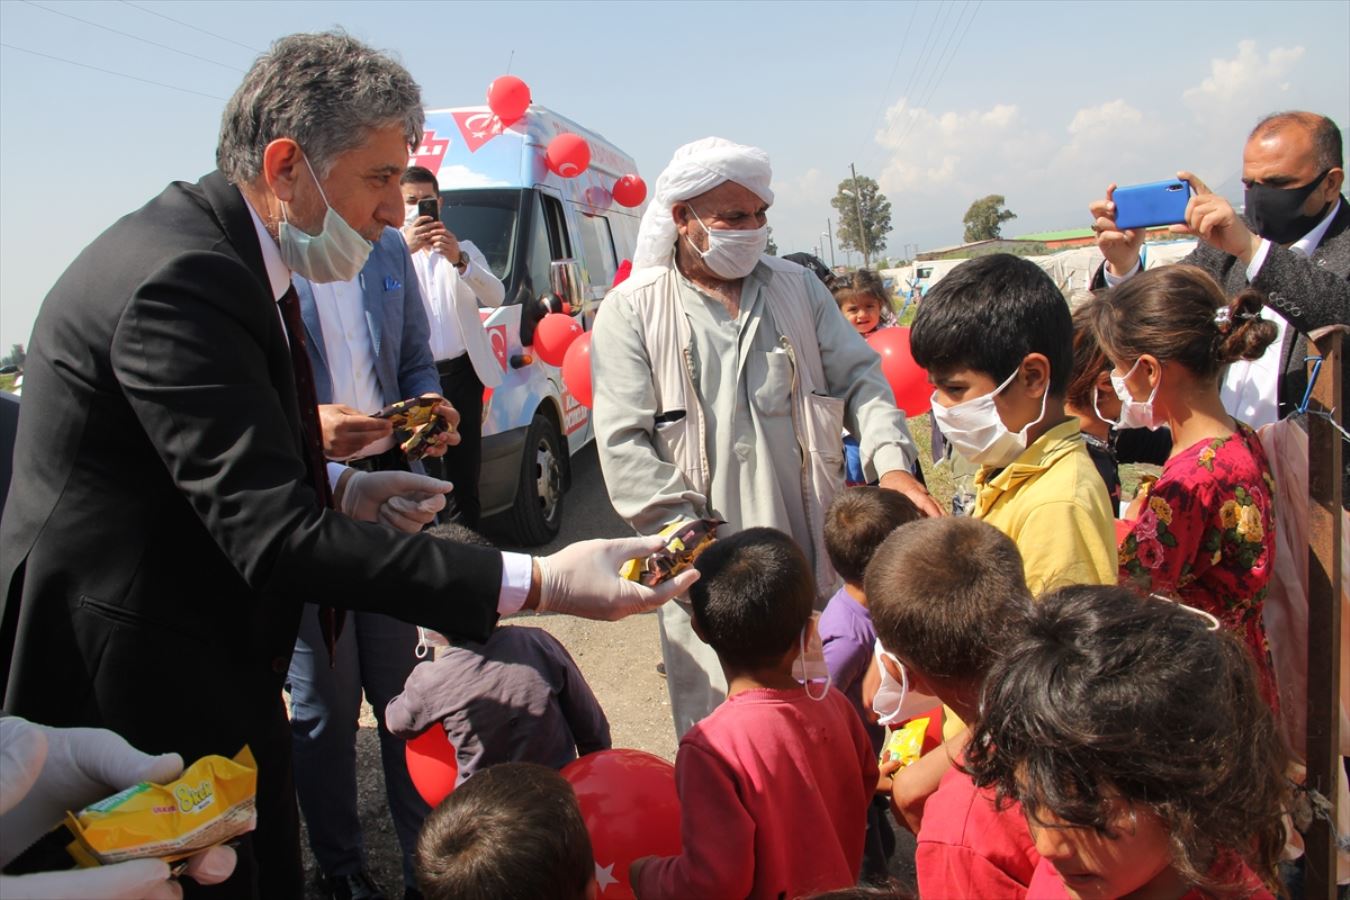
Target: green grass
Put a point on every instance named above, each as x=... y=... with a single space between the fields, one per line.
x=7 y=383
x=939 y=478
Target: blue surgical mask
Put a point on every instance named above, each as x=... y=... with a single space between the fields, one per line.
x=337 y=253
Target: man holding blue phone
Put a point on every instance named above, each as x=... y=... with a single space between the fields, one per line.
x=1292 y=243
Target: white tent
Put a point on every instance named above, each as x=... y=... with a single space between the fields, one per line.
x=1071 y=269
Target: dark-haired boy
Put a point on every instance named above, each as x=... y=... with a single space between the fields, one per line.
x=946 y=595
x=514 y=832
x=856 y=523
x=774 y=785
x=996 y=337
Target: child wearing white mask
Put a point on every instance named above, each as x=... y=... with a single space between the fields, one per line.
x=1205 y=533
x=996 y=338
x=775 y=784
x=943 y=625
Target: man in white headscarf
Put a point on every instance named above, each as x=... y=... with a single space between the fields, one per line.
x=723 y=381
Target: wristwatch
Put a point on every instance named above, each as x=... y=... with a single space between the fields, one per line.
x=462 y=264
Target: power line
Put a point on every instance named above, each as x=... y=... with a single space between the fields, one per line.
x=899 y=55
x=219 y=37
x=134 y=37
x=918 y=63
x=72 y=62
x=937 y=80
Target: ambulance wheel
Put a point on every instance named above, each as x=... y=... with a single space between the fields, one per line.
x=536 y=516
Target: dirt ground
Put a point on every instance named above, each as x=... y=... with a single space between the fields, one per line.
x=618 y=659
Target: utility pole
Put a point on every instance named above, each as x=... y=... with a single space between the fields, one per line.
x=830 y=233
x=857 y=204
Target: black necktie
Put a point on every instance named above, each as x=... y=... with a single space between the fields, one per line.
x=330 y=619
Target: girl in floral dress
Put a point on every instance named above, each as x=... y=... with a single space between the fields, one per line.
x=1205 y=536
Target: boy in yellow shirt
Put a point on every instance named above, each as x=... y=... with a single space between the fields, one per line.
x=997 y=340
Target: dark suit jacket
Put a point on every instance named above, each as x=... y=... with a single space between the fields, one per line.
x=395 y=319
x=1308 y=293
x=162 y=535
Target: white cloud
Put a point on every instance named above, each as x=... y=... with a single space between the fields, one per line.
x=1245 y=78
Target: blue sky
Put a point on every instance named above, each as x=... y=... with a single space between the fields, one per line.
x=944 y=101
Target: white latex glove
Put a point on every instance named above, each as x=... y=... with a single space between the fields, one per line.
x=401 y=500
x=583 y=579
x=46 y=771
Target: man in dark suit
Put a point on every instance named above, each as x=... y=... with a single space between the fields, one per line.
x=170 y=514
x=368 y=342
x=1293 y=244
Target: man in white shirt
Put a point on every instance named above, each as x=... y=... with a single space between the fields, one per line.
x=1292 y=243
x=367 y=343
x=455 y=281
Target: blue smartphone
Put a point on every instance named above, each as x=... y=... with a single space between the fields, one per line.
x=1155 y=203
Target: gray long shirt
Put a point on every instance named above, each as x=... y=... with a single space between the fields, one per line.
x=518 y=697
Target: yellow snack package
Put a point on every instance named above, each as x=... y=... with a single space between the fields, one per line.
x=906 y=742
x=210 y=803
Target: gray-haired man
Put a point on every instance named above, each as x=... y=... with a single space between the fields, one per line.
x=170 y=513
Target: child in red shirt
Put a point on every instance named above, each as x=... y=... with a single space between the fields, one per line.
x=774 y=785
x=1132 y=732
x=946 y=596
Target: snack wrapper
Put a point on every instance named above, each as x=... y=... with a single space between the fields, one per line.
x=415 y=423
x=210 y=803
x=906 y=742
x=685 y=541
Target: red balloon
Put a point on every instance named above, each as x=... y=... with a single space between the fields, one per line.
x=432 y=764
x=597 y=198
x=508 y=97
x=908 y=380
x=553 y=335
x=567 y=155
x=630 y=190
x=576 y=370
x=631 y=809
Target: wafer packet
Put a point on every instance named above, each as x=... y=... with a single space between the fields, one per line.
x=684 y=542
x=210 y=803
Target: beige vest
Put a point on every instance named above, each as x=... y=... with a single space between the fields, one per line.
x=817 y=419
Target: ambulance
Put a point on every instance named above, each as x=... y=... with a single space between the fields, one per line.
x=547 y=238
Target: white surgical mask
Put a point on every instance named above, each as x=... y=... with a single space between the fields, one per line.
x=337 y=253
x=411 y=214
x=1096 y=410
x=976 y=430
x=894 y=701
x=809 y=667
x=1134 y=413
x=426 y=639
x=731 y=253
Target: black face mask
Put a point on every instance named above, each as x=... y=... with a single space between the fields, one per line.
x=1274 y=212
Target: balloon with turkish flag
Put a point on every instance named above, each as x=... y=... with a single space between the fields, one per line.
x=631 y=809
x=576 y=370
x=567 y=155
x=508 y=97
x=630 y=190
x=553 y=335
x=908 y=380
x=432 y=765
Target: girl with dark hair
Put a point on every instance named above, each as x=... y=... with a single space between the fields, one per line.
x=863 y=299
x=1132 y=732
x=1205 y=533
x=1091 y=399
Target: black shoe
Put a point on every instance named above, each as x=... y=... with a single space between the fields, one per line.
x=661 y=669
x=351 y=887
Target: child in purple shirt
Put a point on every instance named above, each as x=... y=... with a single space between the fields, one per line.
x=856 y=523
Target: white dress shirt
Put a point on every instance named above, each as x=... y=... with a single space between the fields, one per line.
x=517 y=568
x=1250 y=389
x=350 y=354
x=452 y=300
